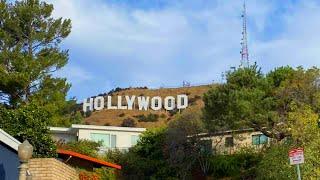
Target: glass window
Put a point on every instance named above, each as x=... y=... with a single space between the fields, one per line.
x=206 y=146
x=98 y=137
x=263 y=139
x=113 y=141
x=255 y=140
x=259 y=139
x=134 y=140
x=229 y=142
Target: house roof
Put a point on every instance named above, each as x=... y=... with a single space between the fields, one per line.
x=9 y=140
x=218 y=133
x=74 y=127
x=111 y=128
x=92 y=160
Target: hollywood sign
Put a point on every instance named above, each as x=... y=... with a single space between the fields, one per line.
x=144 y=103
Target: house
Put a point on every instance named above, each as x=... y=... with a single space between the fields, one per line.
x=112 y=137
x=122 y=138
x=228 y=142
x=9 y=160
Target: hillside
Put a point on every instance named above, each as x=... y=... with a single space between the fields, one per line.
x=158 y=118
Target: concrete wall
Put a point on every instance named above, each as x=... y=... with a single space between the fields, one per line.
x=123 y=138
x=51 y=169
x=240 y=139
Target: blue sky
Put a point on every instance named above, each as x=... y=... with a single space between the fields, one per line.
x=156 y=43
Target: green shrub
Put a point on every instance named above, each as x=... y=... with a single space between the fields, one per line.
x=87 y=113
x=86 y=147
x=140 y=117
x=275 y=164
x=128 y=122
x=241 y=165
x=29 y=123
x=152 y=117
x=173 y=112
x=146 y=160
x=149 y=118
x=163 y=115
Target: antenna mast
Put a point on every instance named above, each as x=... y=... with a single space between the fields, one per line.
x=244 y=44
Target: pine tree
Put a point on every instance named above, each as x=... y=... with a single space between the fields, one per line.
x=30 y=53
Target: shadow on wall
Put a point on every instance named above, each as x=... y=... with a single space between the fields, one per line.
x=2 y=172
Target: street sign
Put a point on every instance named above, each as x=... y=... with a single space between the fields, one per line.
x=296 y=156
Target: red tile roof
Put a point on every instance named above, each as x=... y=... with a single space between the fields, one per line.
x=88 y=158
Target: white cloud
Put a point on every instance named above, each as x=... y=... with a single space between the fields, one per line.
x=74 y=74
x=155 y=46
x=298 y=43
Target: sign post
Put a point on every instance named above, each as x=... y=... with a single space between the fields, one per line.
x=296 y=157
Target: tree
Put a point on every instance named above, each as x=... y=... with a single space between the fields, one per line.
x=30 y=54
x=250 y=99
x=147 y=159
x=31 y=123
x=305 y=134
x=185 y=148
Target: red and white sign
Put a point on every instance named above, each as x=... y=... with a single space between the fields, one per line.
x=296 y=156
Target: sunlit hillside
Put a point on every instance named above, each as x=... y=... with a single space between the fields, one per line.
x=148 y=118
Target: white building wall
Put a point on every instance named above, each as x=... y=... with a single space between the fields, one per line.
x=240 y=139
x=63 y=137
x=123 y=138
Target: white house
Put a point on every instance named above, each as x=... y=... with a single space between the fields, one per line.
x=111 y=137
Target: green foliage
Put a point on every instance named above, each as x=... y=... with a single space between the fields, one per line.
x=128 y=122
x=184 y=148
x=29 y=122
x=113 y=156
x=173 y=112
x=304 y=133
x=29 y=55
x=241 y=165
x=146 y=160
x=86 y=147
x=275 y=164
x=163 y=115
x=149 y=118
x=105 y=173
x=230 y=105
x=262 y=102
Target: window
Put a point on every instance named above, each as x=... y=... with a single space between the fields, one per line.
x=113 y=141
x=229 y=142
x=206 y=146
x=107 y=140
x=259 y=139
x=134 y=139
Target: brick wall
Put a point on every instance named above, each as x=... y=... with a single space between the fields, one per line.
x=51 y=169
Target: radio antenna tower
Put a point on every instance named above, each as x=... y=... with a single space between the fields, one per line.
x=244 y=44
